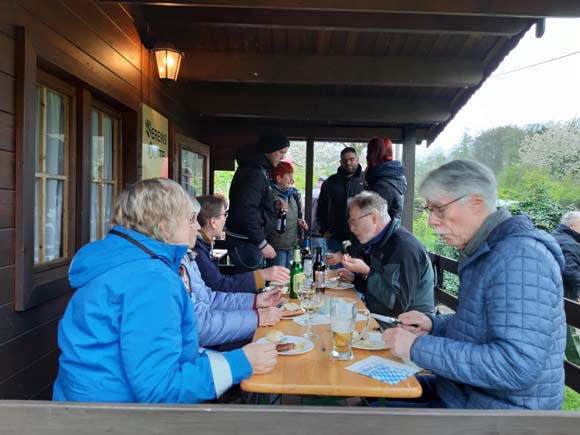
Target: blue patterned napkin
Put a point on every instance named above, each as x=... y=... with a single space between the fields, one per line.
x=383 y=370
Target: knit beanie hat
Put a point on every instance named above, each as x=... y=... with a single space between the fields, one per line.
x=271 y=140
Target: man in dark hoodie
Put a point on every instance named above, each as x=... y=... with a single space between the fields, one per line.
x=252 y=210
x=332 y=212
x=568 y=237
x=385 y=175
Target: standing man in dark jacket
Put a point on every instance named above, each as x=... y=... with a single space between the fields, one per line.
x=568 y=237
x=332 y=212
x=252 y=213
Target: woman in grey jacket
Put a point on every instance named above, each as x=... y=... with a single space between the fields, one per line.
x=286 y=198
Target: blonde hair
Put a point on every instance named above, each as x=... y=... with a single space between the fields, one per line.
x=144 y=205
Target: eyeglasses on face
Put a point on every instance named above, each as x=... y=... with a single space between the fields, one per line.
x=439 y=210
x=353 y=221
x=224 y=214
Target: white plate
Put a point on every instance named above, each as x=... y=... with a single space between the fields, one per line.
x=303 y=345
x=279 y=284
x=338 y=285
x=283 y=290
x=374 y=341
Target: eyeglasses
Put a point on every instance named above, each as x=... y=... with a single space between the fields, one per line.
x=352 y=221
x=224 y=214
x=439 y=210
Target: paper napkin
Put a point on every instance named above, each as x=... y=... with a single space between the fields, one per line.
x=382 y=369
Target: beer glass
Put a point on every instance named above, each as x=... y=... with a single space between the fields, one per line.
x=343 y=314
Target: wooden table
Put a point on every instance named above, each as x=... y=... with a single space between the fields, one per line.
x=316 y=373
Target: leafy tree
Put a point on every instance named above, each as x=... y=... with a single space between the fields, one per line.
x=556 y=149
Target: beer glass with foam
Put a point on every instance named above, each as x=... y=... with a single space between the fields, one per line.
x=343 y=313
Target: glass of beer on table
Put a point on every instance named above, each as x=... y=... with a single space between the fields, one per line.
x=343 y=314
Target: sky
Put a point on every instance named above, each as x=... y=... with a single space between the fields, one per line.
x=547 y=92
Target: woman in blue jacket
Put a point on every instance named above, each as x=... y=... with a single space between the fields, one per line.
x=129 y=332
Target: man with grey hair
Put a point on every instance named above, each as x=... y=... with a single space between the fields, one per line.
x=400 y=275
x=568 y=236
x=504 y=347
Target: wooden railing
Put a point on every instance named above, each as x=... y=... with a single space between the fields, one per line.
x=444 y=264
x=52 y=418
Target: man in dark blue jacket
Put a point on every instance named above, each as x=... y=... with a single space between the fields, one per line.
x=568 y=237
x=212 y=218
x=252 y=211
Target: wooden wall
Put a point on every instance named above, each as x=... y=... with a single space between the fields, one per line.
x=97 y=48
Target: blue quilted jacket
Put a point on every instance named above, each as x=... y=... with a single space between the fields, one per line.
x=504 y=347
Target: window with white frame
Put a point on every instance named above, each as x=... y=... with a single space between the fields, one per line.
x=104 y=151
x=51 y=154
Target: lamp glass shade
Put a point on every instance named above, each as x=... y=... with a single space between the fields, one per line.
x=168 y=62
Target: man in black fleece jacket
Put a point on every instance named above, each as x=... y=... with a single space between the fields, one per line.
x=252 y=212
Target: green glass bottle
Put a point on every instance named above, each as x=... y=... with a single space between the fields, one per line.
x=296 y=274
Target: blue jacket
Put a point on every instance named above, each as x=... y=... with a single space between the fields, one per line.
x=247 y=282
x=221 y=317
x=129 y=332
x=504 y=347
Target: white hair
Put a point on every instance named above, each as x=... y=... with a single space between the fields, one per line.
x=570 y=217
x=147 y=203
x=370 y=202
x=461 y=178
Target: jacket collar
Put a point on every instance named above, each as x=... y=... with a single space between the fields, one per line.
x=567 y=230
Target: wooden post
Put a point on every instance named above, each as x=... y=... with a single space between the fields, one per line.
x=309 y=175
x=409 y=144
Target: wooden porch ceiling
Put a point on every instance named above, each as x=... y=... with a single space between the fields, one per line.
x=339 y=63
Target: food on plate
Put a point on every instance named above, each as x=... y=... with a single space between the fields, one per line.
x=285 y=347
x=290 y=306
x=275 y=336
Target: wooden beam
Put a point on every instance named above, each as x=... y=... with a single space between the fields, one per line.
x=331 y=110
x=221 y=131
x=329 y=70
x=167 y=21
x=409 y=145
x=518 y=8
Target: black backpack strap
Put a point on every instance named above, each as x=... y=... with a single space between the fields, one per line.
x=135 y=242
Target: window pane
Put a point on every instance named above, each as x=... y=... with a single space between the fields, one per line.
x=198 y=179
x=108 y=207
x=55 y=133
x=107 y=147
x=36 y=222
x=94 y=211
x=37 y=129
x=53 y=219
x=188 y=172
x=96 y=146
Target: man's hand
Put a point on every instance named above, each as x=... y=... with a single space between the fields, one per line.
x=269 y=299
x=345 y=275
x=303 y=224
x=269 y=316
x=268 y=252
x=275 y=273
x=400 y=341
x=262 y=357
x=334 y=258
x=423 y=322
x=355 y=265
